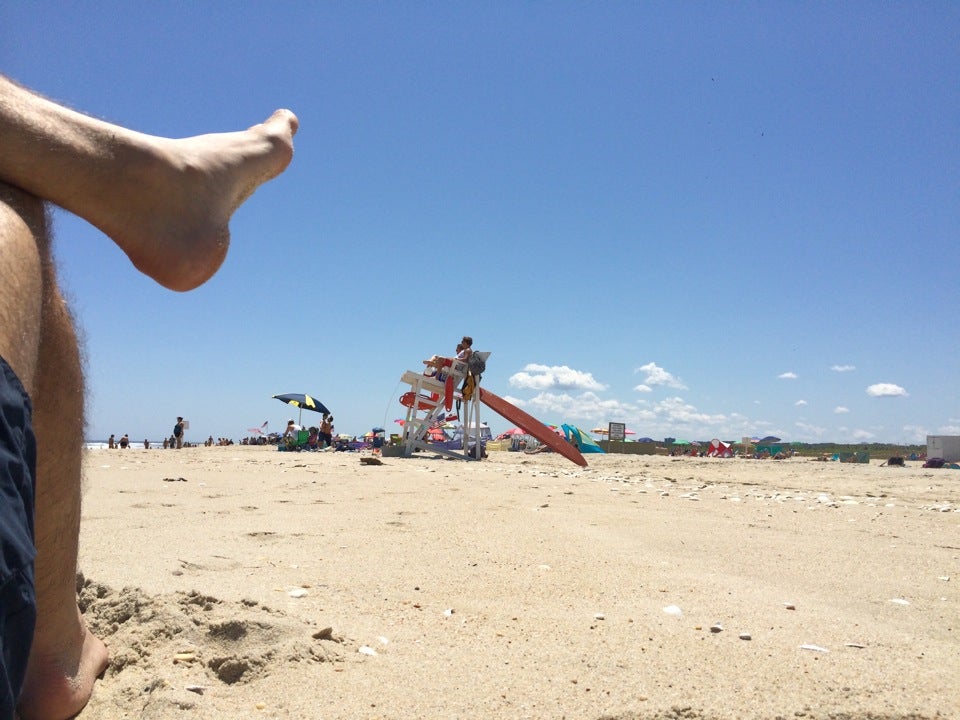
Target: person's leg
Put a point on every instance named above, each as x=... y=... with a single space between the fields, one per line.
x=166 y=203
x=37 y=340
x=20 y=217
x=66 y=658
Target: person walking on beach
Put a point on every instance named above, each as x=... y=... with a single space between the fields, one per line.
x=167 y=204
x=178 y=433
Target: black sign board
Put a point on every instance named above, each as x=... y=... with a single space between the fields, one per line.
x=618 y=431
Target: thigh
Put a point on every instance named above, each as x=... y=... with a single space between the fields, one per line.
x=24 y=247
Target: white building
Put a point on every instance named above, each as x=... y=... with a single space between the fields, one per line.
x=944 y=446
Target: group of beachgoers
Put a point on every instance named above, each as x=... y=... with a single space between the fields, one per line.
x=317 y=438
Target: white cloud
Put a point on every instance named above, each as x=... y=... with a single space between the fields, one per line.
x=787 y=376
x=840 y=410
x=800 y=403
x=643 y=388
x=812 y=431
x=916 y=433
x=671 y=416
x=586 y=408
x=677 y=411
x=843 y=368
x=545 y=377
x=860 y=435
x=948 y=430
x=886 y=390
x=658 y=376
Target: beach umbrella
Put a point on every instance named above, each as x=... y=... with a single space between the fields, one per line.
x=304 y=402
x=604 y=431
x=645 y=439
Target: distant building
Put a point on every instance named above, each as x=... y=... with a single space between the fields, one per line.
x=944 y=446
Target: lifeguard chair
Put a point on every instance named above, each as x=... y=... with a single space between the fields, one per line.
x=431 y=400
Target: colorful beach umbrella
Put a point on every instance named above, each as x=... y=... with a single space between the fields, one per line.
x=304 y=402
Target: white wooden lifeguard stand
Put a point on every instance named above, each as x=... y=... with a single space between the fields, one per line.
x=429 y=409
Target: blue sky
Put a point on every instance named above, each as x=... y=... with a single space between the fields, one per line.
x=700 y=219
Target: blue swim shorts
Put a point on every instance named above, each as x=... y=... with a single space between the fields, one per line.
x=18 y=606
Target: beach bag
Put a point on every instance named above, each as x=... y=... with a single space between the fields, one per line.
x=476 y=364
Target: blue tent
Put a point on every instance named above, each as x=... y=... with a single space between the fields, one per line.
x=586 y=443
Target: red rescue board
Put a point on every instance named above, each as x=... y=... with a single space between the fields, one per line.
x=424 y=403
x=530 y=425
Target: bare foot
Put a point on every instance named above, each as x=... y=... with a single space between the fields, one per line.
x=60 y=679
x=172 y=204
x=166 y=203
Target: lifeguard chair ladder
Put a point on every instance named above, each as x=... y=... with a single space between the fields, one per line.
x=429 y=409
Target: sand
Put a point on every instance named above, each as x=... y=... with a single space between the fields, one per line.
x=247 y=583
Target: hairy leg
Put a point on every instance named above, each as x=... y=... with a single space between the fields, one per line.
x=65 y=658
x=22 y=220
x=165 y=202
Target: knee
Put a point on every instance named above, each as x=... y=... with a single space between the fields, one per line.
x=21 y=212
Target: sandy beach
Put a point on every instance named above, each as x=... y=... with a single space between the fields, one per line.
x=245 y=583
